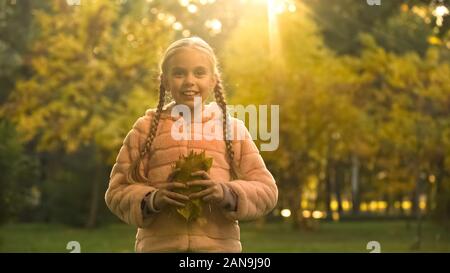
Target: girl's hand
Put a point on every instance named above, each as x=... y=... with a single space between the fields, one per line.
x=213 y=192
x=167 y=197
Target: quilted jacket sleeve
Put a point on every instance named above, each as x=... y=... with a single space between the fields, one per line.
x=256 y=190
x=124 y=198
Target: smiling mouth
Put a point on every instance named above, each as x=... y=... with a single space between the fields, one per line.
x=191 y=93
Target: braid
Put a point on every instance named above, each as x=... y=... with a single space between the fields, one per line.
x=220 y=99
x=134 y=174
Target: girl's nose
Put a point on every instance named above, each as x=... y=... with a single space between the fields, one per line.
x=189 y=80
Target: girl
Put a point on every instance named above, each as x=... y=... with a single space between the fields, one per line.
x=238 y=186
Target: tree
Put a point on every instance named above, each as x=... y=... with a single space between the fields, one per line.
x=19 y=172
x=92 y=76
x=407 y=98
x=398 y=26
x=311 y=86
x=371 y=112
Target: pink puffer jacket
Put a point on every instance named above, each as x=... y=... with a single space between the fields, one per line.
x=217 y=230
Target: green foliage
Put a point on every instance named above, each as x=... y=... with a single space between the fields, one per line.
x=66 y=189
x=90 y=72
x=393 y=24
x=184 y=168
x=18 y=178
x=88 y=66
x=388 y=110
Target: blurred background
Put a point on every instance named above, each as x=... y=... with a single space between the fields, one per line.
x=364 y=96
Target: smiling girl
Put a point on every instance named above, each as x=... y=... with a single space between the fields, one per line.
x=238 y=186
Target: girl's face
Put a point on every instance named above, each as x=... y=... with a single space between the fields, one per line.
x=189 y=74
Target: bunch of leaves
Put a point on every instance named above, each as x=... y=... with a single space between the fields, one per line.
x=184 y=168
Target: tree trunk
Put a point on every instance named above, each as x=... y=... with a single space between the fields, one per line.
x=339 y=181
x=388 y=199
x=95 y=194
x=355 y=185
x=328 y=190
x=415 y=198
x=441 y=210
x=294 y=206
x=417 y=212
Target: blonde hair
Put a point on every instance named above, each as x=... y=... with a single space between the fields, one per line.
x=134 y=174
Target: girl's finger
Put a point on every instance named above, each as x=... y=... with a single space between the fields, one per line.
x=204 y=174
x=172 y=202
x=177 y=196
x=201 y=193
x=207 y=183
x=175 y=185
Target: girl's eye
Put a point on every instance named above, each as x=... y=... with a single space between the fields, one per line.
x=177 y=72
x=200 y=72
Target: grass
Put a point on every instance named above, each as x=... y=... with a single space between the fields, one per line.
x=393 y=236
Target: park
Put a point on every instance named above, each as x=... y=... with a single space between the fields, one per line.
x=347 y=102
